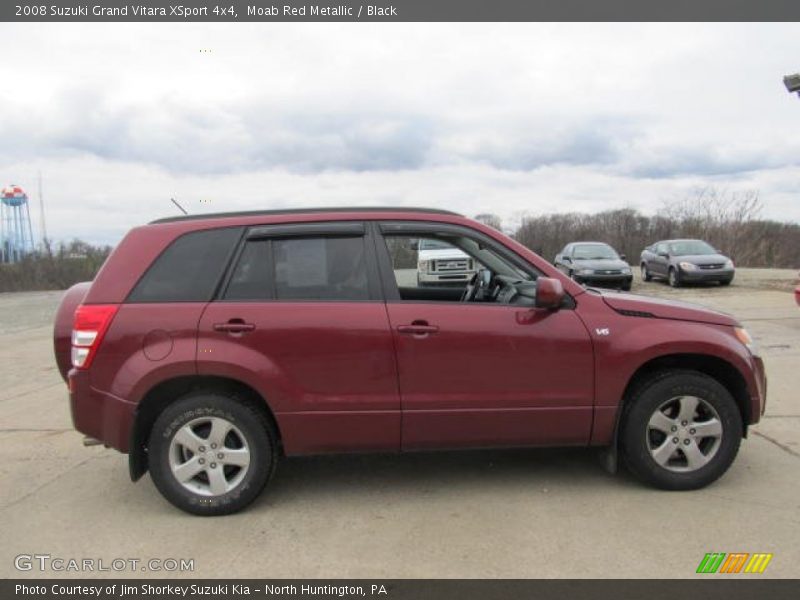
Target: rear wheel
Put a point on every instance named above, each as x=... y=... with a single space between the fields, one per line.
x=681 y=431
x=211 y=454
x=645 y=273
x=674 y=277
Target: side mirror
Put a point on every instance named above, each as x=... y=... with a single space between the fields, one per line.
x=664 y=254
x=549 y=293
x=566 y=259
x=415 y=245
x=623 y=257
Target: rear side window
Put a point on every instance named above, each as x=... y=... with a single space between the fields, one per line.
x=308 y=268
x=189 y=269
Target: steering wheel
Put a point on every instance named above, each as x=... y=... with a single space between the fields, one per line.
x=477 y=286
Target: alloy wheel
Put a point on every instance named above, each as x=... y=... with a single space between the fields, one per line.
x=684 y=434
x=209 y=456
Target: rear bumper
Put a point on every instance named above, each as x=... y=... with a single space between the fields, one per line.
x=98 y=414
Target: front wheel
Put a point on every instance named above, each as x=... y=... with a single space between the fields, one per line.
x=645 y=273
x=674 y=278
x=681 y=431
x=211 y=454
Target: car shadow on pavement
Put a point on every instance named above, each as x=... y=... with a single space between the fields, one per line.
x=424 y=473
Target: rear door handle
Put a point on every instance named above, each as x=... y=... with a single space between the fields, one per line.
x=234 y=326
x=417 y=329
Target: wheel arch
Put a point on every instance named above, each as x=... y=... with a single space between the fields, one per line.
x=715 y=367
x=718 y=368
x=166 y=392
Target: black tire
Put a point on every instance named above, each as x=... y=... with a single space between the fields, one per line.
x=626 y=287
x=674 y=277
x=726 y=281
x=253 y=425
x=647 y=399
x=646 y=276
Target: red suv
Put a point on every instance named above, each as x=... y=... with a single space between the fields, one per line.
x=209 y=346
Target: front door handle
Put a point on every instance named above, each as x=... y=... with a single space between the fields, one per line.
x=234 y=326
x=417 y=328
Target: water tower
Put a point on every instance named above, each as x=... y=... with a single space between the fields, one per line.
x=16 y=233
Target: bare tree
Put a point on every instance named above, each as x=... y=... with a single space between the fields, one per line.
x=490 y=219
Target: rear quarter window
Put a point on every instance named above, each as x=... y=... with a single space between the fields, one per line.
x=189 y=269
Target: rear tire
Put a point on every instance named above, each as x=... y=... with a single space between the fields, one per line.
x=706 y=444
x=645 y=273
x=211 y=453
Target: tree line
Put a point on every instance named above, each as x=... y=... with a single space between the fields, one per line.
x=54 y=267
x=728 y=221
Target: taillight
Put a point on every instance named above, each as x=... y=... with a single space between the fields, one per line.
x=88 y=328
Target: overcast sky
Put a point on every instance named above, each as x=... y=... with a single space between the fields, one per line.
x=505 y=118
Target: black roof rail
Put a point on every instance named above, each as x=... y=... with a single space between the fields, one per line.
x=298 y=211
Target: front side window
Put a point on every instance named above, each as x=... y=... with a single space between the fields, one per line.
x=307 y=268
x=440 y=267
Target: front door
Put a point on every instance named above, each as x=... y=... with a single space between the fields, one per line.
x=485 y=373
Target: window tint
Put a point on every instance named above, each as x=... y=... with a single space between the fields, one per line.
x=189 y=269
x=320 y=269
x=251 y=277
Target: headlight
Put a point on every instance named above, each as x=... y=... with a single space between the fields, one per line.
x=585 y=272
x=729 y=264
x=744 y=336
x=626 y=270
x=687 y=266
x=422 y=266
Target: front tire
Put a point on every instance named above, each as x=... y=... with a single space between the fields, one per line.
x=681 y=430
x=674 y=278
x=211 y=453
x=645 y=273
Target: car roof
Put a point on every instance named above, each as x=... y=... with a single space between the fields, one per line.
x=356 y=210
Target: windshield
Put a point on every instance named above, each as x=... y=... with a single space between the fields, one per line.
x=690 y=247
x=593 y=252
x=428 y=244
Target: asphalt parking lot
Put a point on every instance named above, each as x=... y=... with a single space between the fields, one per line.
x=517 y=513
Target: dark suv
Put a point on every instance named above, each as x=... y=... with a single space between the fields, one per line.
x=207 y=347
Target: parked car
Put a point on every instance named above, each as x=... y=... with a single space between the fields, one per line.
x=594 y=263
x=686 y=261
x=210 y=346
x=439 y=263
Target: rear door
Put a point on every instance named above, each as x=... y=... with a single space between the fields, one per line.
x=301 y=319
x=483 y=373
